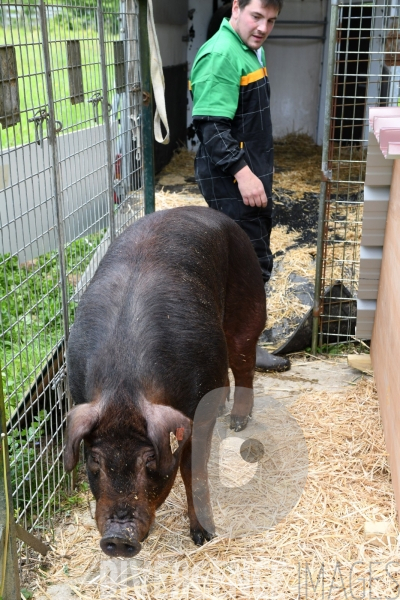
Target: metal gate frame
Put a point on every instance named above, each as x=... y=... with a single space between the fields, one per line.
x=350 y=91
x=130 y=182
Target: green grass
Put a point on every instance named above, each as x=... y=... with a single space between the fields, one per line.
x=31 y=313
x=342 y=349
x=31 y=79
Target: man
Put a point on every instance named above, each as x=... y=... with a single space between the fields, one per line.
x=231 y=115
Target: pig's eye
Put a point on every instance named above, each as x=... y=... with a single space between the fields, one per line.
x=150 y=460
x=94 y=463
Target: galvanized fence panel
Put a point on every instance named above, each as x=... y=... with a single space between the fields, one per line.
x=70 y=181
x=364 y=71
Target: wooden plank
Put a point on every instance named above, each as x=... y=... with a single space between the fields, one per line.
x=31 y=540
x=8 y=551
x=379 y=195
x=362 y=362
x=364 y=331
x=370 y=262
x=119 y=62
x=368 y=289
x=378 y=175
x=75 y=77
x=9 y=94
x=373 y=238
x=385 y=345
x=366 y=309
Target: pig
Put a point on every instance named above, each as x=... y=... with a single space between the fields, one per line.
x=177 y=298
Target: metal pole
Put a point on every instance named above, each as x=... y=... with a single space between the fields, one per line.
x=9 y=576
x=125 y=109
x=55 y=172
x=147 y=111
x=106 y=120
x=326 y=175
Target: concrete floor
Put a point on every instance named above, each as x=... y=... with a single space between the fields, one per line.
x=305 y=376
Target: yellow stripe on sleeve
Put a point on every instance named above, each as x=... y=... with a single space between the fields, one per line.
x=254 y=76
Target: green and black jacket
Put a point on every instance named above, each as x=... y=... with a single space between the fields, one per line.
x=231 y=115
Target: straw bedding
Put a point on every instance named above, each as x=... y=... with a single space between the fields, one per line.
x=348 y=483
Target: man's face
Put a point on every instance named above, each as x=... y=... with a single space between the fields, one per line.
x=254 y=22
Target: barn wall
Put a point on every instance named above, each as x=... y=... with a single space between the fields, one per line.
x=198 y=24
x=173 y=12
x=171 y=20
x=294 y=68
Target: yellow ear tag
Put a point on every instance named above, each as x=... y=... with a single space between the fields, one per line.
x=173 y=442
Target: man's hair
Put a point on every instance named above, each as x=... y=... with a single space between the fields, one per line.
x=278 y=4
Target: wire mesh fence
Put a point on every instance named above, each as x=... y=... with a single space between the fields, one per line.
x=365 y=72
x=70 y=181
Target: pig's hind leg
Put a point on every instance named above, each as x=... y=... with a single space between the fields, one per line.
x=244 y=320
x=242 y=360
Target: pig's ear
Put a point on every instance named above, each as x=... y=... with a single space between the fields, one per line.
x=81 y=420
x=168 y=430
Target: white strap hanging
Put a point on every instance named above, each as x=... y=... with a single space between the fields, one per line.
x=157 y=79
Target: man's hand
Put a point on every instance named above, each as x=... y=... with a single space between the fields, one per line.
x=251 y=188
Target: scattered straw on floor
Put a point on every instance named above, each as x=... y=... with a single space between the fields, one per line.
x=282 y=301
x=297 y=164
x=348 y=484
x=182 y=163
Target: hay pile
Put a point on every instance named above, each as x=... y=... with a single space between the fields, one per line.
x=348 y=484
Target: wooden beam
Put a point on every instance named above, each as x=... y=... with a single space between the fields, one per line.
x=362 y=362
x=385 y=343
x=31 y=540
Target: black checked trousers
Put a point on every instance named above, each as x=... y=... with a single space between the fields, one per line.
x=257 y=226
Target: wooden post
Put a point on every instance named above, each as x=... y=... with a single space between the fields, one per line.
x=9 y=576
x=385 y=344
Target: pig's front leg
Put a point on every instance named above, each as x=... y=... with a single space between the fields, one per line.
x=194 y=474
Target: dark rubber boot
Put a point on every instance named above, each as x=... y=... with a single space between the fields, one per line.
x=270 y=363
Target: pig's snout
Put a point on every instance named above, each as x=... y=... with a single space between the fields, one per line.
x=120 y=541
x=117 y=546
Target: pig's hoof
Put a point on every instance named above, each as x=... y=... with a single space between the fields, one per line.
x=200 y=536
x=238 y=423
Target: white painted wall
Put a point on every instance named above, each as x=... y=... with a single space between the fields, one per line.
x=295 y=68
x=172 y=47
x=171 y=19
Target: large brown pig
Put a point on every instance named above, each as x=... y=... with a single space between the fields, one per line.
x=177 y=297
